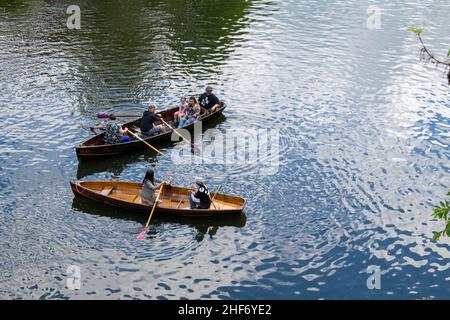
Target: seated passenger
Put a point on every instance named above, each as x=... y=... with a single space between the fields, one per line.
x=114 y=133
x=200 y=199
x=148 y=125
x=191 y=113
x=181 y=111
x=209 y=101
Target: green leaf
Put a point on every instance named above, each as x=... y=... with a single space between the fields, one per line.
x=448 y=54
x=437 y=235
x=442 y=212
x=415 y=30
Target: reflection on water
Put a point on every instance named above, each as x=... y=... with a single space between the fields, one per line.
x=363 y=155
x=206 y=226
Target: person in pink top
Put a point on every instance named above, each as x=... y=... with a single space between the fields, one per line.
x=181 y=111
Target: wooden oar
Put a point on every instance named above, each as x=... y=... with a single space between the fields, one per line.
x=181 y=136
x=212 y=200
x=91 y=129
x=148 y=144
x=114 y=116
x=145 y=229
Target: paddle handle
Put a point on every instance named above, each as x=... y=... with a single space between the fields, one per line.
x=154 y=206
x=125 y=115
x=218 y=189
x=174 y=130
x=148 y=144
x=112 y=116
x=212 y=200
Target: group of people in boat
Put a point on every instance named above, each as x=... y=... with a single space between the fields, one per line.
x=153 y=124
x=198 y=199
x=189 y=111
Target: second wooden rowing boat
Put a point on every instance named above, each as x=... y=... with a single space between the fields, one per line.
x=96 y=146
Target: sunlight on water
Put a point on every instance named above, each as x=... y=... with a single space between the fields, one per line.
x=363 y=150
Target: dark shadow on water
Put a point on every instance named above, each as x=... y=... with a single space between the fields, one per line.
x=9 y=6
x=204 y=226
x=114 y=165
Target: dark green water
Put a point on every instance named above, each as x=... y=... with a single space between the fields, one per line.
x=363 y=148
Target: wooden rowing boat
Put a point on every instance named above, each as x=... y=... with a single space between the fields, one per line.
x=96 y=146
x=201 y=225
x=173 y=200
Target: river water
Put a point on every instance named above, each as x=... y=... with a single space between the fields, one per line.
x=362 y=154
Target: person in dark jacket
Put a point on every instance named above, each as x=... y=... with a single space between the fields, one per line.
x=200 y=198
x=148 y=122
x=209 y=101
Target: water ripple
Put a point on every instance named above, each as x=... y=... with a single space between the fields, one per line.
x=363 y=149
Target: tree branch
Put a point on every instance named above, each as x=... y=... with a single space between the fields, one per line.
x=430 y=55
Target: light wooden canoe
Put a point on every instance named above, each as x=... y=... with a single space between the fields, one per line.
x=173 y=201
x=96 y=147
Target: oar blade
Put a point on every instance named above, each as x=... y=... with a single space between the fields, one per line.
x=195 y=148
x=142 y=234
x=103 y=115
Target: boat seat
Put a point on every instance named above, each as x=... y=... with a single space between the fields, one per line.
x=106 y=191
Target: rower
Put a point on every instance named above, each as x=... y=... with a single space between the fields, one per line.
x=200 y=199
x=149 y=185
x=114 y=133
x=148 y=122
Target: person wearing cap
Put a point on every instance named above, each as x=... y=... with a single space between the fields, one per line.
x=149 y=118
x=209 y=101
x=200 y=198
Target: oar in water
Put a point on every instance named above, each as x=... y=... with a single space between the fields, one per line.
x=145 y=229
x=148 y=144
x=91 y=129
x=212 y=200
x=193 y=146
x=114 y=116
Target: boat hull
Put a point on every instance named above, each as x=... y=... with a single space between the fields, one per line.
x=173 y=201
x=92 y=149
